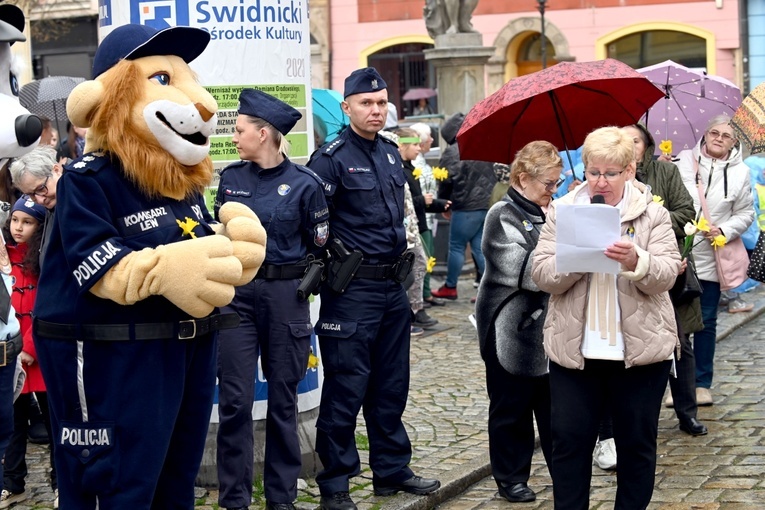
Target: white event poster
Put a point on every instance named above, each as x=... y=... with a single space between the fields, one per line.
x=262 y=44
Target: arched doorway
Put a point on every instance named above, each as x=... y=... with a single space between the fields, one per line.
x=528 y=57
x=403 y=66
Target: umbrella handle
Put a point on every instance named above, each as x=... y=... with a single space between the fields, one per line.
x=562 y=133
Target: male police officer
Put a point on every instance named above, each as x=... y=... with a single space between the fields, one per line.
x=364 y=331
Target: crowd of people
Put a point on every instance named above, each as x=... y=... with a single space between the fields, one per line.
x=567 y=350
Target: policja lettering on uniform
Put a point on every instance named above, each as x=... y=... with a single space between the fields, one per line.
x=95 y=261
x=86 y=437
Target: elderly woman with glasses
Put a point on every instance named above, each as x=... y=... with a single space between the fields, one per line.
x=510 y=312
x=715 y=165
x=609 y=337
x=36 y=174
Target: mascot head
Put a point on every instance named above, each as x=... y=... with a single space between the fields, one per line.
x=145 y=107
x=19 y=130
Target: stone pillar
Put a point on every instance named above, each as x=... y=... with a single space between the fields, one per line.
x=459 y=60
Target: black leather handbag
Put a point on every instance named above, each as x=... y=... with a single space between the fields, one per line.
x=687 y=286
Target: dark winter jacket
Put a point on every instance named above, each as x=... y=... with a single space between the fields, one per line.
x=470 y=183
x=510 y=308
x=666 y=182
x=420 y=208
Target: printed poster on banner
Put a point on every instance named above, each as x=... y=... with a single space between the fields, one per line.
x=261 y=44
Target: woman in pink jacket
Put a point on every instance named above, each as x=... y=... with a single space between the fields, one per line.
x=609 y=338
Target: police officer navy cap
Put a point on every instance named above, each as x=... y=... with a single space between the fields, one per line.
x=27 y=205
x=136 y=41
x=279 y=114
x=364 y=80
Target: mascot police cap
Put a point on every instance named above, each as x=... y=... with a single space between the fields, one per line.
x=279 y=114
x=135 y=41
x=364 y=80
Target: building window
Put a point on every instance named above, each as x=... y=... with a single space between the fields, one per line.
x=403 y=66
x=642 y=49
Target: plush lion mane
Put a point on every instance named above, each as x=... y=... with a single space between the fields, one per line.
x=144 y=161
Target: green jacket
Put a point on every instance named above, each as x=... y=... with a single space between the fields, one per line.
x=666 y=182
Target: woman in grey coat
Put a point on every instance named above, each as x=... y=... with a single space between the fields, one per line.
x=510 y=313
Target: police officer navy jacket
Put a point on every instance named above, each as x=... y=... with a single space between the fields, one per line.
x=364 y=183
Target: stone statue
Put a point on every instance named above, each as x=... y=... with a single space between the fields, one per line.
x=449 y=16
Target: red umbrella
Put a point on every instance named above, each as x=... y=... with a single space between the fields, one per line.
x=561 y=104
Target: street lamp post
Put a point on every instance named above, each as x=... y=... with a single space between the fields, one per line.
x=543 y=49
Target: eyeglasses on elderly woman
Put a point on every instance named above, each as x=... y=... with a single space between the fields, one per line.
x=609 y=176
x=713 y=133
x=550 y=185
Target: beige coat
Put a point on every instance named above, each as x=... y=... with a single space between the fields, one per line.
x=648 y=319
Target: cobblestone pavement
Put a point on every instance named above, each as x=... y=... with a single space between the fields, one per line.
x=446 y=419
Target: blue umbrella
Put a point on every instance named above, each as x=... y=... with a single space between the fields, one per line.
x=327 y=109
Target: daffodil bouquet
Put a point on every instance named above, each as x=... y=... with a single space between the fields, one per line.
x=692 y=228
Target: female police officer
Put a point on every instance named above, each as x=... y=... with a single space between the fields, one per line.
x=289 y=200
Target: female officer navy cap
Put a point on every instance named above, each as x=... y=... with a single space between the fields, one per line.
x=27 y=205
x=364 y=80
x=279 y=114
x=135 y=41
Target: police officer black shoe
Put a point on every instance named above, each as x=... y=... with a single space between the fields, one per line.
x=279 y=506
x=415 y=485
x=337 y=501
x=694 y=427
x=517 y=493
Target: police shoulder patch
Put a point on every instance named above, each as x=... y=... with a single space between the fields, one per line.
x=333 y=146
x=90 y=162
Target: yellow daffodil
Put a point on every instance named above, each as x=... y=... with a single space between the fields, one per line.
x=658 y=199
x=440 y=174
x=702 y=224
x=431 y=264
x=719 y=241
x=187 y=226
x=313 y=360
x=666 y=147
x=416 y=173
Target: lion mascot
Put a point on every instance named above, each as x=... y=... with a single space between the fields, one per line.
x=19 y=134
x=126 y=313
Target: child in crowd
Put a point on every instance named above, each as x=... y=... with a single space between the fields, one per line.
x=22 y=234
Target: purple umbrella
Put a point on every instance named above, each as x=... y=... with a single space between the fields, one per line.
x=691 y=98
x=419 y=93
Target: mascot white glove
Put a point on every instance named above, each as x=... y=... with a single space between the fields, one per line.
x=243 y=227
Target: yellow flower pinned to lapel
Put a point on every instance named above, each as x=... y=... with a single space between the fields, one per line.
x=417 y=173
x=187 y=226
x=702 y=225
x=431 y=264
x=658 y=199
x=440 y=174
x=719 y=241
x=666 y=147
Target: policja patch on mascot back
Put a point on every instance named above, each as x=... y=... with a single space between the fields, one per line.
x=126 y=317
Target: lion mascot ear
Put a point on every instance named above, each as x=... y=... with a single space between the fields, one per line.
x=83 y=101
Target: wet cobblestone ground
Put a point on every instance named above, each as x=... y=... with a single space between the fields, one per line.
x=446 y=419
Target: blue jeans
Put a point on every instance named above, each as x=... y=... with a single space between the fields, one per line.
x=704 y=340
x=6 y=408
x=465 y=227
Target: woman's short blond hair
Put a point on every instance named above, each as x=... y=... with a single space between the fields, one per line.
x=608 y=144
x=536 y=159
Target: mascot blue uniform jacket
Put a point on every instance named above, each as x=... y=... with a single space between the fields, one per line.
x=19 y=132
x=290 y=202
x=126 y=319
x=364 y=332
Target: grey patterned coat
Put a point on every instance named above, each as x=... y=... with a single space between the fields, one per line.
x=510 y=309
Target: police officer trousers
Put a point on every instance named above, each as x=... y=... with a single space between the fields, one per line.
x=129 y=419
x=364 y=338
x=277 y=326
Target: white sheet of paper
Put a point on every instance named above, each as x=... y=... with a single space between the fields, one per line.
x=583 y=234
